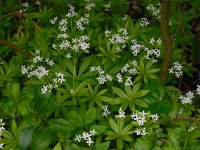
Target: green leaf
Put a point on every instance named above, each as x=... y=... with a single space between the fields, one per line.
x=98 y=128
x=113 y=125
x=24 y=107
x=144 y=143
x=41 y=141
x=160 y=107
x=74 y=118
x=102 y=146
x=61 y=125
x=119 y=143
x=57 y=147
x=140 y=103
x=13 y=90
x=84 y=65
x=71 y=67
x=90 y=115
x=120 y=125
x=127 y=128
x=119 y=92
x=14 y=129
x=126 y=138
x=154 y=70
x=111 y=135
x=25 y=138
x=44 y=104
x=141 y=93
x=117 y=101
x=136 y=87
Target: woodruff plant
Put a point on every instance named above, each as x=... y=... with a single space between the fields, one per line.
x=93 y=82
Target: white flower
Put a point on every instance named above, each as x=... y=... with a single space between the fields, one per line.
x=37 y=59
x=63 y=22
x=1 y=145
x=143 y=131
x=121 y=114
x=152 y=41
x=187 y=99
x=83 y=45
x=24 y=70
x=89 y=141
x=176 y=69
x=128 y=81
x=155 y=117
x=93 y=132
x=107 y=6
x=85 y=135
x=106 y=112
x=44 y=89
x=69 y=55
x=78 y=138
x=89 y=6
x=125 y=17
x=37 y=2
x=26 y=4
x=107 y=33
x=138 y=131
x=140 y=118
x=119 y=78
x=144 y=22
x=198 y=89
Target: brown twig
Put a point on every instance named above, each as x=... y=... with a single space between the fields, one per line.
x=167 y=41
x=15 y=48
x=14 y=13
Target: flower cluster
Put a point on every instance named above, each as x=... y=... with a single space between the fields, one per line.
x=153 y=41
x=59 y=79
x=71 y=12
x=121 y=114
x=136 y=47
x=103 y=77
x=36 y=69
x=188 y=98
x=82 y=21
x=106 y=112
x=65 y=42
x=129 y=69
x=198 y=89
x=86 y=136
x=192 y=128
x=89 y=5
x=2 y=124
x=154 y=10
x=25 y=5
x=152 y=52
x=54 y=20
x=176 y=69
x=141 y=118
x=141 y=131
x=81 y=43
x=119 y=39
x=144 y=22
x=107 y=7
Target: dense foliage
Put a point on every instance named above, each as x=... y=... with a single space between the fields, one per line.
x=78 y=75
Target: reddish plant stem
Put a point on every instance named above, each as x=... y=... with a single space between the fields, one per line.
x=167 y=41
x=15 y=48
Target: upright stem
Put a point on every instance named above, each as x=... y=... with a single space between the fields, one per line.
x=167 y=41
x=15 y=48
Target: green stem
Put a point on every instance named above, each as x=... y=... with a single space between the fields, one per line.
x=15 y=48
x=167 y=41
